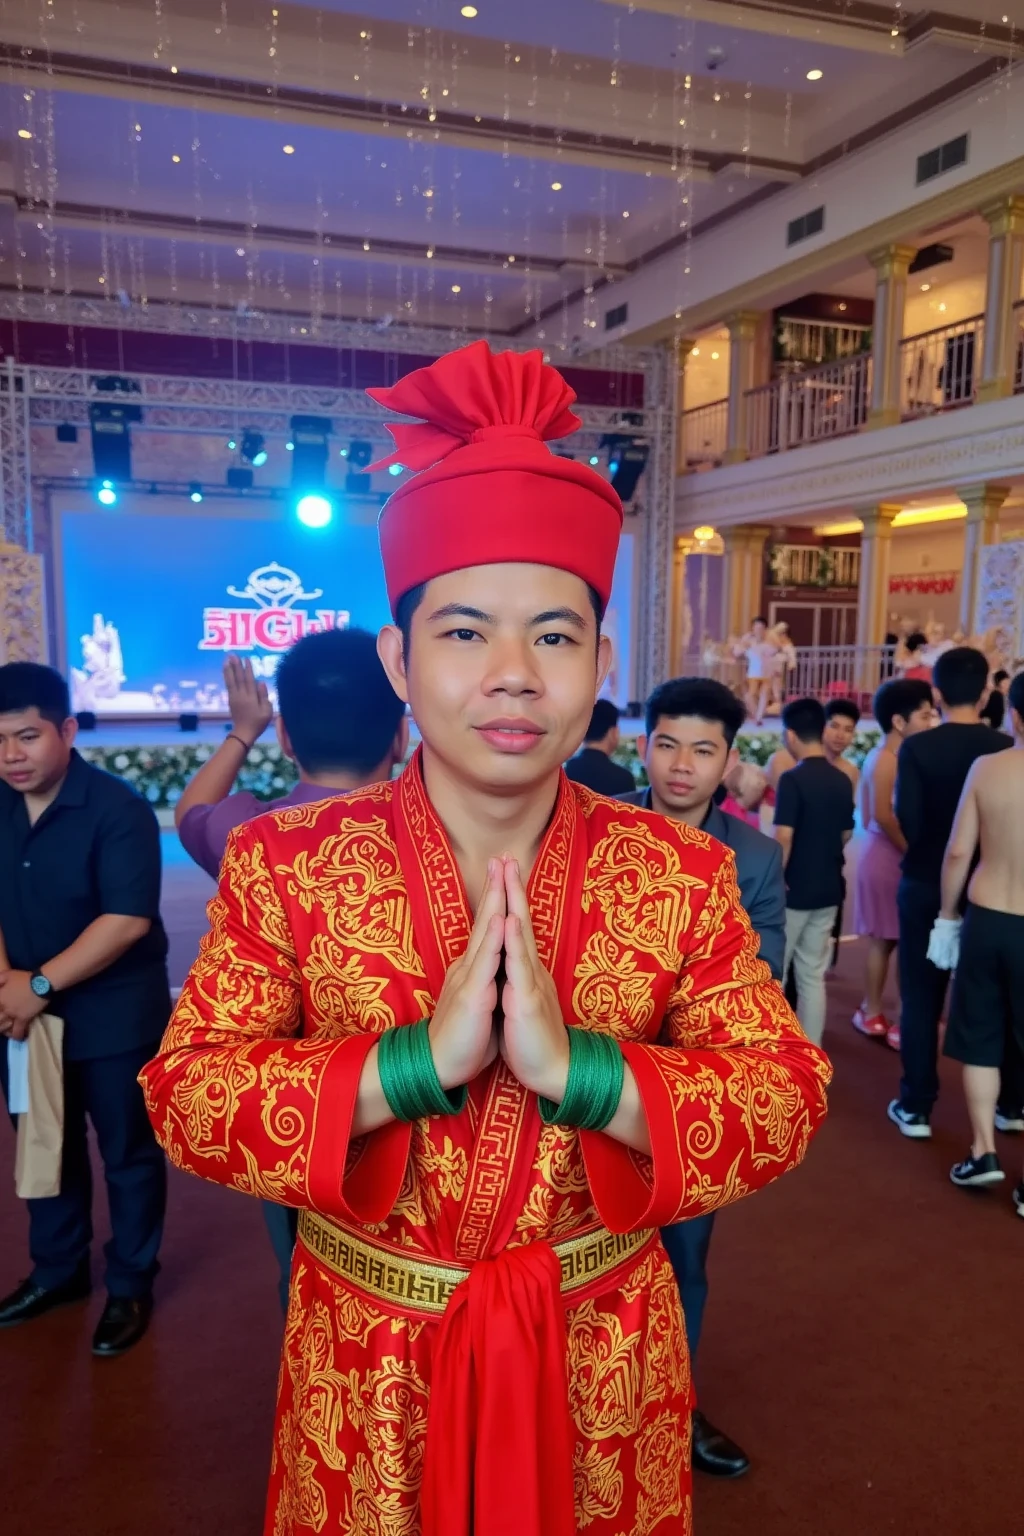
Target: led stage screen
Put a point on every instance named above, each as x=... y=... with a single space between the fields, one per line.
x=152 y=601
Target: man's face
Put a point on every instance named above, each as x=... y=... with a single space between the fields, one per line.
x=34 y=753
x=686 y=759
x=502 y=671
x=838 y=735
x=760 y=629
x=920 y=719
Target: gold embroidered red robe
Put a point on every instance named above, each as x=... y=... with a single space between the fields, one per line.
x=337 y=920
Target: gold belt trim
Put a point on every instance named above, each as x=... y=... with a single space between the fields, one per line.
x=422 y=1285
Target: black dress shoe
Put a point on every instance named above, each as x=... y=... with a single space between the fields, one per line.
x=31 y=1300
x=124 y=1321
x=714 y=1453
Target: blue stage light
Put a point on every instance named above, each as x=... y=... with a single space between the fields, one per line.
x=195 y=492
x=613 y=467
x=290 y=447
x=314 y=510
x=395 y=469
x=106 y=495
x=594 y=460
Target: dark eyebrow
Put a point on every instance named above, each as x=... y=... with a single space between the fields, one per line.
x=702 y=741
x=559 y=615
x=461 y=611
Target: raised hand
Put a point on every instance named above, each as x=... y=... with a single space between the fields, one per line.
x=463 y=1039
x=248 y=701
x=535 y=1042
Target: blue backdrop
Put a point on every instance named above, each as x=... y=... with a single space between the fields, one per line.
x=153 y=601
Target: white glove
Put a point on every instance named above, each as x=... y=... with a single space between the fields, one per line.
x=944 y=943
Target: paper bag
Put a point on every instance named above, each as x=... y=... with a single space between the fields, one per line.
x=38 y=1156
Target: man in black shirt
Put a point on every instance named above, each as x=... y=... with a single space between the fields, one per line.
x=81 y=937
x=593 y=764
x=813 y=823
x=930 y=776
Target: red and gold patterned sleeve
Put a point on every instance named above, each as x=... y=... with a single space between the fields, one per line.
x=733 y=1091
x=236 y=1094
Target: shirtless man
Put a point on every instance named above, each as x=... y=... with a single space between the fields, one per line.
x=759 y=650
x=987 y=1017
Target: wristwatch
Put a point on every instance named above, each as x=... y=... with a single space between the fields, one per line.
x=41 y=985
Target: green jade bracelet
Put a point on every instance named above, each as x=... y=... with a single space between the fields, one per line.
x=408 y=1075
x=594 y=1085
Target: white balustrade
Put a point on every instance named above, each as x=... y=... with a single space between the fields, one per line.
x=940 y=369
x=809 y=406
x=703 y=434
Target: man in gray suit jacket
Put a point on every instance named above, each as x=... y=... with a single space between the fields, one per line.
x=691 y=726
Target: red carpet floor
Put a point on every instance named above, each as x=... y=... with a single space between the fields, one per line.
x=862 y=1342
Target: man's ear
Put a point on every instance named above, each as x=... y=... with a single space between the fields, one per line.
x=68 y=731
x=605 y=657
x=392 y=657
x=731 y=761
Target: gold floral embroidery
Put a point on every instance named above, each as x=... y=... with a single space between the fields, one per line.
x=598 y=1484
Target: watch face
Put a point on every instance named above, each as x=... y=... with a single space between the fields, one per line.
x=40 y=986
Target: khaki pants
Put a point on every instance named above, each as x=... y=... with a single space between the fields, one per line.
x=808 y=945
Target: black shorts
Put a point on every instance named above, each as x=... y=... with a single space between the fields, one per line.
x=988 y=988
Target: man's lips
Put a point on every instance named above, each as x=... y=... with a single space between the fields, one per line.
x=510 y=735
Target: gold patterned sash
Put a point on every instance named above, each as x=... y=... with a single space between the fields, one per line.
x=422 y=1285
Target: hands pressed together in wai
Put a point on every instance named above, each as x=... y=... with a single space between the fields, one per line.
x=465 y=1035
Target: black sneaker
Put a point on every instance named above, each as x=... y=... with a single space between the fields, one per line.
x=915 y=1126
x=1018 y=1198
x=1010 y=1121
x=977 y=1172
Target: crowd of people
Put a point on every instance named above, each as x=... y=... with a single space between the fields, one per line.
x=399 y=957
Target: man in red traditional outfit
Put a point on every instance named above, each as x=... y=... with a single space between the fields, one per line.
x=488 y=1031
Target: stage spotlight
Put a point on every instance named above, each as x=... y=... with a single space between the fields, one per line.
x=360 y=455
x=195 y=492
x=395 y=469
x=594 y=461
x=232 y=445
x=308 y=443
x=314 y=510
x=106 y=495
x=239 y=478
x=253 y=448
x=627 y=459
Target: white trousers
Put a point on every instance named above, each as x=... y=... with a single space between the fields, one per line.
x=808 y=946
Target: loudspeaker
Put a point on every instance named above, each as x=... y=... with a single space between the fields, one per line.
x=86 y=720
x=188 y=722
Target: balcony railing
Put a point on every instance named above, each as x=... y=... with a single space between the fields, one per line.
x=820 y=341
x=811 y=565
x=1018 y=367
x=809 y=407
x=822 y=671
x=940 y=369
x=703 y=434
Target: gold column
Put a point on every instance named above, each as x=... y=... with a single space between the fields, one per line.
x=984 y=503
x=743 y=576
x=1005 y=220
x=891 y=264
x=873 y=593
x=742 y=358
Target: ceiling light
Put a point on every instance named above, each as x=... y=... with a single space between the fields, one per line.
x=456 y=287
x=176 y=159
x=195 y=492
x=289 y=149
x=625 y=213
x=814 y=74
x=23 y=133
x=511 y=258
x=366 y=245
x=842 y=309
x=556 y=186
x=174 y=69
x=704 y=534
x=469 y=11
x=695 y=352
x=942 y=308
x=239 y=250
x=428 y=191
x=715 y=356
x=925 y=287
x=895 y=32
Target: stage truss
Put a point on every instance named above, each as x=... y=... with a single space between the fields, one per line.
x=43 y=396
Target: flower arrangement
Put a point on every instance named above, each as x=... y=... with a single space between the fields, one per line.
x=160 y=774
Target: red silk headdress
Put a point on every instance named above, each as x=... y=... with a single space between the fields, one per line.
x=488 y=489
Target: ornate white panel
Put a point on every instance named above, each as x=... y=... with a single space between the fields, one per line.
x=999 y=608
x=21 y=606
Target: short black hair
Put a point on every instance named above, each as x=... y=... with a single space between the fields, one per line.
x=805 y=718
x=842 y=707
x=759 y=618
x=900 y=696
x=915 y=641
x=605 y=716
x=697 y=698
x=337 y=705
x=1000 y=676
x=1016 y=694
x=961 y=675
x=30 y=685
x=410 y=601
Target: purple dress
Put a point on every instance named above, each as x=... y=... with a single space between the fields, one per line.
x=877 y=879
